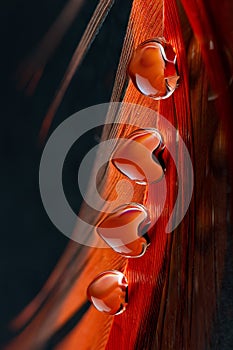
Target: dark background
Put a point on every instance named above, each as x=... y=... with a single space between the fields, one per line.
x=30 y=245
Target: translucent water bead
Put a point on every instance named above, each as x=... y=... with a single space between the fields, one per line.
x=125 y=230
x=139 y=156
x=108 y=292
x=152 y=69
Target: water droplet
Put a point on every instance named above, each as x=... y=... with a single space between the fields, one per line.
x=125 y=230
x=108 y=292
x=139 y=157
x=153 y=69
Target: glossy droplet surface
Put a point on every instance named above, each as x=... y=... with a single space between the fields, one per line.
x=152 y=69
x=108 y=292
x=139 y=156
x=125 y=230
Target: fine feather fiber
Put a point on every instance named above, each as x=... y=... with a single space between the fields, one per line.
x=174 y=288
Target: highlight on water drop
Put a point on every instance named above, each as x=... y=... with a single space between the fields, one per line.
x=108 y=292
x=153 y=70
x=125 y=230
